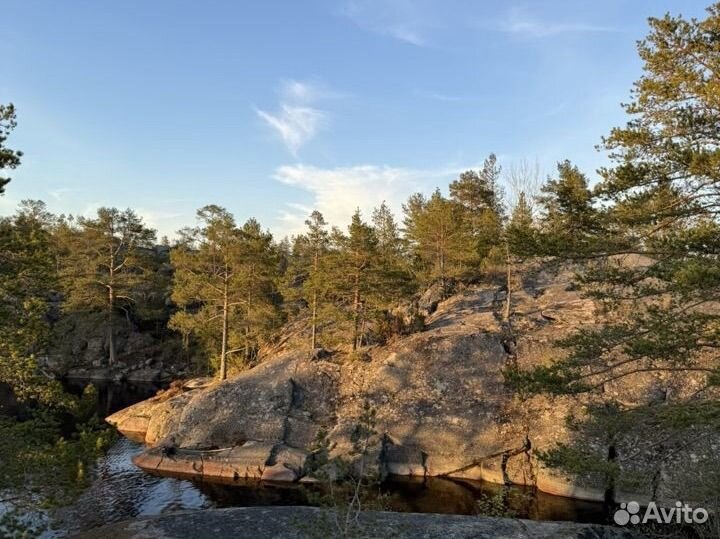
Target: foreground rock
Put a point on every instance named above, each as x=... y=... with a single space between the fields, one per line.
x=251 y=460
x=442 y=405
x=308 y=522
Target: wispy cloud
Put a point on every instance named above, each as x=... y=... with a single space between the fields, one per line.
x=297 y=120
x=60 y=192
x=519 y=22
x=407 y=35
x=398 y=19
x=295 y=125
x=446 y=97
x=337 y=192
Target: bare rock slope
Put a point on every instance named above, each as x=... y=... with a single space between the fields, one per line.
x=442 y=406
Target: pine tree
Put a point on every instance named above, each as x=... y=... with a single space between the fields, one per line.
x=257 y=276
x=224 y=283
x=387 y=231
x=480 y=196
x=567 y=201
x=9 y=159
x=569 y=223
x=478 y=191
x=659 y=203
x=395 y=279
x=318 y=240
x=519 y=238
x=439 y=238
x=103 y=262
x=354 y=272
x=521 y=228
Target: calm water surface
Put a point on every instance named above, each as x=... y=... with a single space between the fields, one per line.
x=121 y=491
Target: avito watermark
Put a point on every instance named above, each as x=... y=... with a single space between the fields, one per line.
x=682 y=513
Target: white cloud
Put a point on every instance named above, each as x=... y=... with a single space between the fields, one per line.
x=337 y=192
x=165 y=222
x=524 y=24
x=59 y=193
x=446 y=97
x=297 y=120
x=407 y=35
x=399 y=19
x=295 y=125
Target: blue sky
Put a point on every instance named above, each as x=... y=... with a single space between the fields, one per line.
x=274 y=108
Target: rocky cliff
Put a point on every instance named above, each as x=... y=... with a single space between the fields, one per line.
x=442 y=405
x=79 y=350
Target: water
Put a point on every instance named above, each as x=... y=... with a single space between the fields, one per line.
x=121 y=491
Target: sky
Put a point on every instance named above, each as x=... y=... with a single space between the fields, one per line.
x=275 y=108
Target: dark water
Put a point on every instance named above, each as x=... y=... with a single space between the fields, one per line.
x=113 y=396
x=120 y=490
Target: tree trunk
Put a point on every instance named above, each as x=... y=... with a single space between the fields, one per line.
x=441 y=263
x=111 y=344
x=356 y=312
x=223 y=350
x=313 y=329
x=111 y=330
x=248 y=348
x=313 y=337
x=508 y=298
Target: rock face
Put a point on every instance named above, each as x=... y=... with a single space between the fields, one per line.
x=311 y=523
x=79 y=350
x=249 y=461
x=442 y=406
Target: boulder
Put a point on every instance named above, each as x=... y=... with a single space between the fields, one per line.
x=279 y=473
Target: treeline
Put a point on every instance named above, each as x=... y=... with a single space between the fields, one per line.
x=227 y=289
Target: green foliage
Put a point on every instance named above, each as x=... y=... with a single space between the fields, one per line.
x=649 y=233
x=27 y=276
x=40 y=465
x=521 y=232
x=104 y=262
x=436 y=232
x=9 y=159
x=44 y=468
x=479 y=196
x=455 y=237
x=355 y=273
x=349 y=485
x=307 y=275
x=224 y=283
x=570 y=225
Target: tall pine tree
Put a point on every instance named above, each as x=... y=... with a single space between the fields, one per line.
x=103 y=262
x=651 y=235
x=440 y=241
x=224 y=284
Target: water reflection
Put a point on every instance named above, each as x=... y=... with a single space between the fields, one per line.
x=121 y=491
x=113 y=396
x=435 y=495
